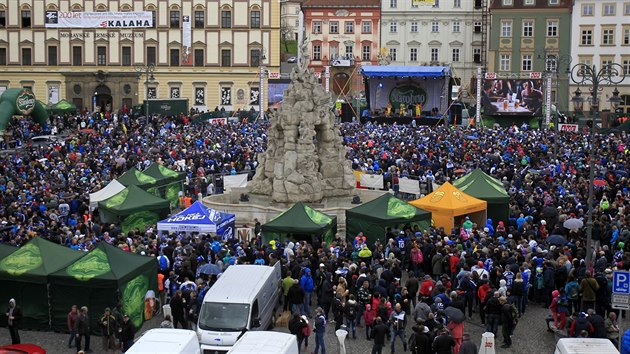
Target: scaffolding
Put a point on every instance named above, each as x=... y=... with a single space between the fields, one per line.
x=482 y=15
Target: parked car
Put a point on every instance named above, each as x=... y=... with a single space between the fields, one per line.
x=292 y=60
x=22 y=349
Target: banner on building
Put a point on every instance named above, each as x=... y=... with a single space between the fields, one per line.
x=372 y=181
x=200 y=96
x=411 y=186
x=64 y=19
x=254 y=96
x=424 y=2
x=187 y=35
x=234 y=181
x=219 y=121
x=573 y=128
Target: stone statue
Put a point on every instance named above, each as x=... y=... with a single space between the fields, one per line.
x=305 y=160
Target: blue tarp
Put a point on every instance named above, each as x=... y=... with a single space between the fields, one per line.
x=405 y=71
x=200 y=218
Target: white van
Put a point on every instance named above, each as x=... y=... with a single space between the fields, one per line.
x=244 y=298
x=585 y=346
x=264 y=342
x=166 y=341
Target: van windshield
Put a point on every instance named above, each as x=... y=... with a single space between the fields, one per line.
x=223 y=317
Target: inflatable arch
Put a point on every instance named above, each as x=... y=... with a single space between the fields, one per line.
x=20 y=102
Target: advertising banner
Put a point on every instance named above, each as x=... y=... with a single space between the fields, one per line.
x=372 y=181
x=232 y=181
x=424 y=2
x=512 y=97
x=63 y=19
x=219 y=121
x=573 y=128
x=411 y=186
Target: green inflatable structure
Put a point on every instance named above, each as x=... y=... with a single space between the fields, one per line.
x=20 y=102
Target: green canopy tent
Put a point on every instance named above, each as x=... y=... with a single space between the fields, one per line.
x=62 y=107
x=485 y=187
x=385 y=211
x=134 y=177
x=301 y=222
x=168 y=182
x=6 y=250
x=102 y=278
x=24 y=276
x=134 y=207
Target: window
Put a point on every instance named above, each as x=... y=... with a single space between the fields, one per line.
x=528 y=28
x=26 y=18
x=126 y=56
x=457 y=3
x=254 y=57
x=455 y=56
x=26 y=56
x=414 y=27
x=77 y=56
x=506 y=28
x=508 y=2
x=626 y=36
x=554 y=2
x=317 y=26
x=588 y=9
x=154 y=18
x=608 y=36
x=349 y=27
x=174 y=57
x=551 y=63
x=393 y=4
x=52 y=55
x=199 y=21
x=477 y=55
x=365 y=53
x=393 y=27
x=226 y=19
x=626 y=66
x=435 y=54
x=3 y=19
x=350 y=51
x=626 y=9
x=587 y=37
x=317 y=52
x=504 y=62
x=477 y=27
x=526 y=63
x=608 y=9
x=552 y=28
x=366 y=26
x=530 y=2
x=456 y=26
x=254 y=19
x=151 y=55
x=333 y=51
x=3 y=56
x=226 y=57
x=334 y=27
x=435 y=26
x=413 y=54
x=392 y=53
x=199 y=57
x=174 y=19
x=101 y=55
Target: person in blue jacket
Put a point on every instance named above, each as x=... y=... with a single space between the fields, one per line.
x=625 y=342
x=306 y=282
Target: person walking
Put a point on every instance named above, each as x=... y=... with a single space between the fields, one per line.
x=507 y=322
x=443 y=343
x=178 y=309
x=72 y=319
x=588 y=287
x=14 y=317
x=307 y=283
x=379 y=332
x=295 y=296
x=493 y=313
x=108 y=326
x=127 y=334
x=350 y=312
x=296 y=327
x=468 y=346
x=287 y=282
x=398 y=321
x=320 y=331
x=82 y=329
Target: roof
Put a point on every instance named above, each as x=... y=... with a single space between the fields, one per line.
x=538 y=4
x=405 y=71
x=388 y=209
x=136 y=178
x=264 y=342
x=343 y=4
x=133 y=199
x=163 y=340
x=300 y=219
x=230 y=285
x=449 y=198
x=482 y=186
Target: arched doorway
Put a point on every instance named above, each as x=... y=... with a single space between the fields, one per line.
x=102 y=98
x=340 y=83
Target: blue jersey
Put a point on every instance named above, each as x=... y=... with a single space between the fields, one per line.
x=401 y=242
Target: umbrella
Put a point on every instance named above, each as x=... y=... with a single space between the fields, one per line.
x=550 y=211
x=209 y=269
x=621 y=173
x=454 y=314
x=599 y=182
x=573 y=224
x=557 y=240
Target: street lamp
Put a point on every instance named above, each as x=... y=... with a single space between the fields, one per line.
x=147 y=70
x=578 y=101
x=615 y=100
x=582 y=74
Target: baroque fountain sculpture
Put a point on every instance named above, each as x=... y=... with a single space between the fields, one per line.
x=305 y=160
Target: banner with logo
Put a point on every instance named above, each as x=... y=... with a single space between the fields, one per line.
x=234 y=181
x=424 y=2
x=198 y=218
x=219 y=121
x=372 y=181
x=66 y=19
x=407 y=93
x=573 y=128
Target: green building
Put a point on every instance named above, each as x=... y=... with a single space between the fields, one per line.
x=532 y=36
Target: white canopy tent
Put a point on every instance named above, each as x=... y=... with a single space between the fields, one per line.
x=111 y=189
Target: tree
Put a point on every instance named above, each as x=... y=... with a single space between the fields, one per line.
x=285 y=31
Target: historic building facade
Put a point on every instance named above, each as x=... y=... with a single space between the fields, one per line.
x=532 y=36
x=289 y=15
x=601 y=35
x=344 y=36
x=208 y=51
x=447 y=32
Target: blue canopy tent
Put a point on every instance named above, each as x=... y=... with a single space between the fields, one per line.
x=200 y=218
x=426 y=85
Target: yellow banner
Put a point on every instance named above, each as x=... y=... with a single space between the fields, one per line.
x=423 y=2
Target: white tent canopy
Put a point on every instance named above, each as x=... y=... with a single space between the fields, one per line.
x=111 y=189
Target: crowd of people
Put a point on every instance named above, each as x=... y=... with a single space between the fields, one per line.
x=432 y=281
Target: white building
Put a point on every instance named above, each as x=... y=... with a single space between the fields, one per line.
x=601 y=35
x=289 y=14
x=445 y=33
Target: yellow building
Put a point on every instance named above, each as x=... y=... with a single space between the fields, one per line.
x=89 y=52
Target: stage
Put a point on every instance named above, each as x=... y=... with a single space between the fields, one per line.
x=424 y=120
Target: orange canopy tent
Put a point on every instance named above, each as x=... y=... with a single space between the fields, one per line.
x=447 y=203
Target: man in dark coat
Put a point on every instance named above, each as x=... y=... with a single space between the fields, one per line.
x=326 y=294
x=178 y=310
x=127 y=334
x=83 y=330
x=419 y=341
x=379 y=332
x=468 y=346
x=296 y=327
x=507 y=322
x=295 y=296
x=443 y=343
x=598 y=323
x=14 y=317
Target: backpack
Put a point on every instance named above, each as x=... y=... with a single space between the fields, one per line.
x=163 y=263
x=446 y=263
x=514 y=314
x=574 y=291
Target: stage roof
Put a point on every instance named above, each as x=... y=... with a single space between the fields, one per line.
x=405 y=71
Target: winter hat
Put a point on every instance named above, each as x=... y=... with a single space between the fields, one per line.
x=555 y=293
